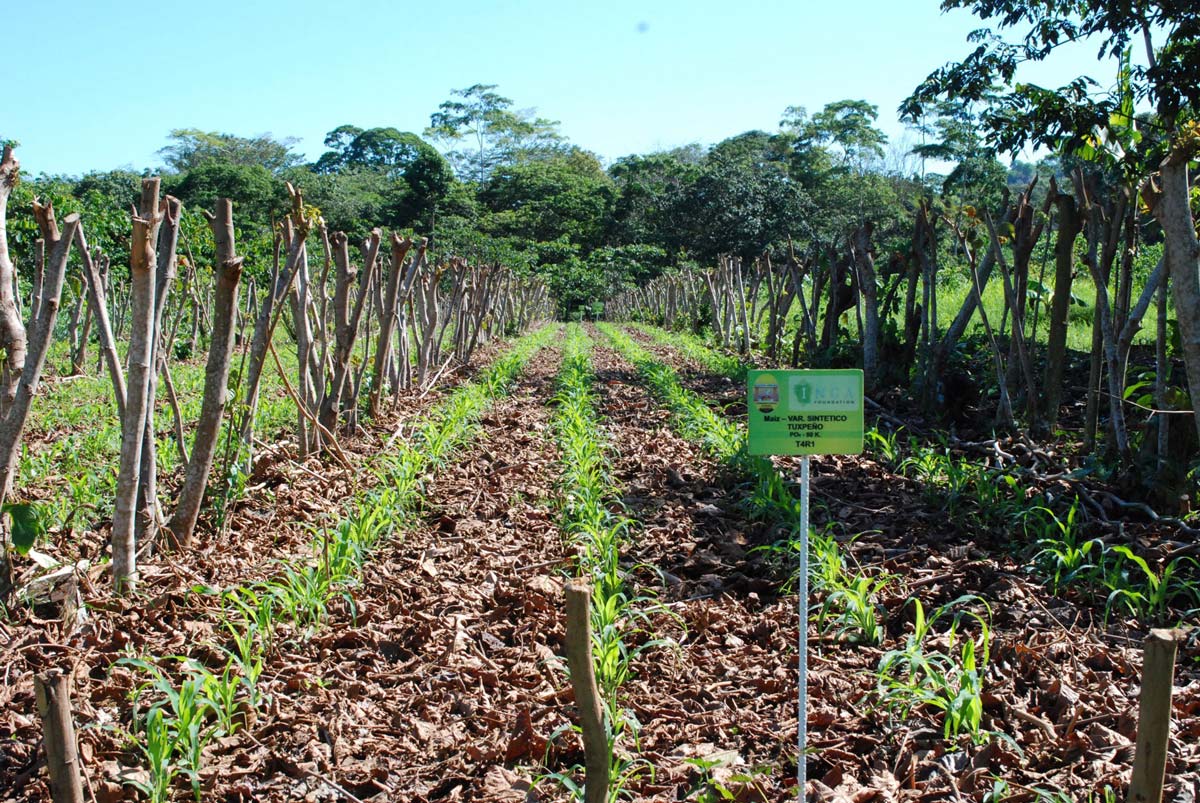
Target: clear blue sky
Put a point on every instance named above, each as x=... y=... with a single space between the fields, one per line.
x=97 y=84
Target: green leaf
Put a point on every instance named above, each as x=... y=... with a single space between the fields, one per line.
x=28 y=524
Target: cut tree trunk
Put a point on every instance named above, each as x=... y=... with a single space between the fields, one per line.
x=142 y=265
x=228 y=272
x=1169 y=202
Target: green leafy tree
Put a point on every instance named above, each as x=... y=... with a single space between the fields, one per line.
x=495 y=133
x=399 y=179
x=257 y=194
x=191 y=147
x=977 y=176
x=841 y=137
x=742 y=200
x=649 y=193
x=565 y=195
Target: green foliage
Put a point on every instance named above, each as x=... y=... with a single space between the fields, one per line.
x=255 y=191
x=977 y=176
x=649 y=189
x=191 y=147
x=493 y=133
x=727 y=365
x=1081 y=112
x=742 y=200
x=27 y=523
x=378 y=177
x=842 y=136
x=565 y=194
x=855 y=610
x=949 y=681
x=180 y=721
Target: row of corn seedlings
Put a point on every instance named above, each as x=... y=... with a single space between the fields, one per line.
x=591 y=518
x=950 y=680
x=1069 y=562
x=695 y=349
x=184 y=704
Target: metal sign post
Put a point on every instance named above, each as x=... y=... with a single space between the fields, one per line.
x=802 y=646
x=804 y=413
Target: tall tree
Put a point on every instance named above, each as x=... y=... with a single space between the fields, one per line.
x=568 y=195
x=378 y=176
x=495 y=132
x=742 y=199
x=191 y=147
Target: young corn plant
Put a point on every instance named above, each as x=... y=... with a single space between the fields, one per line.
x=949 y=680
x=694 y=348
x=592 y=521
x=854 y=609
x=178 y=724
x=885 y=446
x=1138 y=590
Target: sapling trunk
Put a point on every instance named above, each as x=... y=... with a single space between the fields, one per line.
x=864 y=262
x=400 y=276
x=1070 y=223
x=149 y=517
x=97 y=298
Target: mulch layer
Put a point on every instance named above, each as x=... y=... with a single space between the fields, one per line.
x=1062 y=686
x=444 y=680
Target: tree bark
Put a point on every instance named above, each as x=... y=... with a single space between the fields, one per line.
x=228 y=272
x=1070 y=223
x=390 y=313
x=1169 y=202
x=142 y=265
x=16 y=412
x=149 y=517
x=865 y=263
x=99 y=306
x=53 y=691
x=12 y=331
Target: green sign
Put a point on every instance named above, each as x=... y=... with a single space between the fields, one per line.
x=806 y=412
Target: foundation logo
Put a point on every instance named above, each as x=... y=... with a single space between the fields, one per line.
x=766 y=393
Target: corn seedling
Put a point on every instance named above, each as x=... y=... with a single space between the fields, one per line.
x=950 y=681
x=1146 y=594
x=854 y=610
x=183 y=719
x=885 y=446
x=1063 y=558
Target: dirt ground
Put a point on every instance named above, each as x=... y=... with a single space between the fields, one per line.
x=444 y=680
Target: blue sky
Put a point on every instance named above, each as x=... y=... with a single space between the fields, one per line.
x=94 y=85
